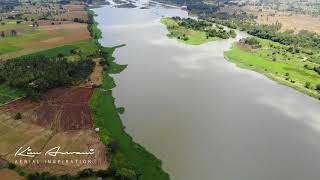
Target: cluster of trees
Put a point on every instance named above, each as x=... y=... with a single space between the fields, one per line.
x=199 y=6
x=192 y=23
x=92 y=26
x=201 y=25
x=303 y=39
x=302 y=42
x=37 y=74
x=221 y=33
x=253 y=42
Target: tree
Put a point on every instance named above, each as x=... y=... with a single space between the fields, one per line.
x=85 y=173
x=232 y=33
x=18 y=116
x=307 y=85
x=2 y=34
x=13 y=32
x=318 y=87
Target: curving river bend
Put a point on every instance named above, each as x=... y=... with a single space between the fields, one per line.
x=205 y=118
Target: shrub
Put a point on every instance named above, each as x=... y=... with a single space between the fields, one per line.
x=307 y=85
x=18 y=116
x=113 y=146
x=85 y=173
x=11 y=166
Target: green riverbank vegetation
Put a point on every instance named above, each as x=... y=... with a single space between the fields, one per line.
x=127 y=159
x=279 y=62
x=288 y=57
x=195 y=32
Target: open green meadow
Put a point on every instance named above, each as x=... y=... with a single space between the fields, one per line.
x=276 y=62
x=192 y=37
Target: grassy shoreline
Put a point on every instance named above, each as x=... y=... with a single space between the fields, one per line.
x=127 y=157
x=289 y=73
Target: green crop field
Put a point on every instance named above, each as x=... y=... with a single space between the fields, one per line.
x=282 y=66
x=25 y=33
x=85 y=48
x=8 y=94
x=193 y=37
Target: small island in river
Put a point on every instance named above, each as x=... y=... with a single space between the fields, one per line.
x=195 y=32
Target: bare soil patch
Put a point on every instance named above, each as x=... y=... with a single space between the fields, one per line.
x=61 y=118
x=74 y=7
x=59 y=34
x=8 y=174
x=60 y=109
x=289 y=21
x=96 y=75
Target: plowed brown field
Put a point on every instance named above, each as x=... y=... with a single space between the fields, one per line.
x=61 y=118
x=60 y=109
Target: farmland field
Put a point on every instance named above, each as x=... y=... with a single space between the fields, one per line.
x=48 y=132
x=288 y=20
x=33 y=39
x=8 y=94
x=10 y=175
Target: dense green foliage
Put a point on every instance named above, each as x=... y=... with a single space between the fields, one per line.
x=192 y=23
x=253 y=42
x=37 y=74
x=93 y=26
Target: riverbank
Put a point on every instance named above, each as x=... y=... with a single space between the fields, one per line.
x=127 y=158
x=272 y=60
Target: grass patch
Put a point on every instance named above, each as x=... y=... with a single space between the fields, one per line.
x=71 y=51
x=129 y=156
x=8 y=94
x=282 y=66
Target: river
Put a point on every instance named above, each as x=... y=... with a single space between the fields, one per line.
x=205 y=118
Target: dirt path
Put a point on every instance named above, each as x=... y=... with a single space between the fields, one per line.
x=96 y=75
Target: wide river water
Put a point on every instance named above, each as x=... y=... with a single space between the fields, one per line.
x=205 y=118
